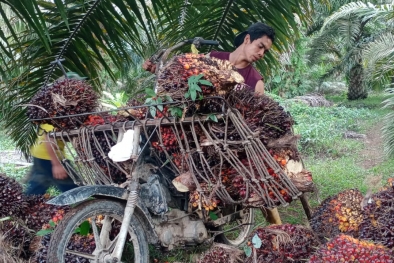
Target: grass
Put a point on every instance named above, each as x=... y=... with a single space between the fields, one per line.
x=333 y=160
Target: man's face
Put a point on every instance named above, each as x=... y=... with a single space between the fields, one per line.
x=256 y=50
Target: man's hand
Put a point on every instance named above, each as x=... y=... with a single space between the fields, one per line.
x=59 y=172
x=149 y=66
x=259 y=89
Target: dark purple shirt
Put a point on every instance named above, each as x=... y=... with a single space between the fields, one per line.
x=250 y=74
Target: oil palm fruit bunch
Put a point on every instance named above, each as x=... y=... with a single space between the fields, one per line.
x=378 y=219
x=11 y=196
x=339 y=214
x=78 y=243
x=94 y=119
x=261 y=113
x=173 y=78
x=38 y=212
x=139 y=113
x=18 y=235
x=220 y=253
x=64 y=97
x=282 y=243
x=344 y=248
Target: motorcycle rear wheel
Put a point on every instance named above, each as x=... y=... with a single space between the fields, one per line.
x=110 y=213
x=239 y=235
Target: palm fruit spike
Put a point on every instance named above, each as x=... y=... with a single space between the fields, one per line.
x=339 y=214
x=344 y=248
x=64 y=97
x=11 y=197
x=378 y=219
x=283 y=243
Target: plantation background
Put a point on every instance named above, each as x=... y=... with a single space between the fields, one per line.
x=340 y=49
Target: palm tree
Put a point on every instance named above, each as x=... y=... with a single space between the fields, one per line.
x=378 y=58
x=341 y=40
x=95 y=36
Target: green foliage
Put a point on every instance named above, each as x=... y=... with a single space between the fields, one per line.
x=295 y=77
x=194 y=83
x=114 y=101
x=321 y=127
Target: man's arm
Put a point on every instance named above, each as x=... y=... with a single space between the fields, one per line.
x=58 y=170
x=259 y=87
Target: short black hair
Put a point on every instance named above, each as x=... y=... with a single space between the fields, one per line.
x=256 y=31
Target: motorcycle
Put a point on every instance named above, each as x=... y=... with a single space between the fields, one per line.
x=117 y=223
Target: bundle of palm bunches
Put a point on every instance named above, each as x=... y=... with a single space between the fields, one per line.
x=339 y=214
x=344 y=248
x=95 y=152
x=64 y=97
x=173 y=78
x=261 y=113
x=282 y=243
x=378 y=219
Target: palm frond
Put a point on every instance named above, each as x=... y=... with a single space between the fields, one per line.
x=388 y=127
x=364 y=11
x=378 y=57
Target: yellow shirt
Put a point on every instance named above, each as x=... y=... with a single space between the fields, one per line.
x=39 y=149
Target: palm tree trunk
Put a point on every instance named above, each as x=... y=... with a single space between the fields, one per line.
x=357 y=89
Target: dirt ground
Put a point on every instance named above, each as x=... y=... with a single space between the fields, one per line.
x=372 y=154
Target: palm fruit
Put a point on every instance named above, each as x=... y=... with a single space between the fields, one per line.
x=378 y=219
x=38 y=213
x=339 y=214
x=18 y=235
x=173 y=78
x=64 y=97
x=283 y=243
x=11 y=197
x=344 y=248
x=102 y=119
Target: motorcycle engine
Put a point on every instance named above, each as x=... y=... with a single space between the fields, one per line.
x=172 y=225
x=180 y=230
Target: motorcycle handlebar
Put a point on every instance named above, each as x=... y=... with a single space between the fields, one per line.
x=201 y=41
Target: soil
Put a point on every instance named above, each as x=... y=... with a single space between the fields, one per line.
x=372 y=154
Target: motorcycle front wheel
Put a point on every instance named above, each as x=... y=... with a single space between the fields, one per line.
x=89 y=232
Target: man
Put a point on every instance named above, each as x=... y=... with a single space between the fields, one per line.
x=251 y=46
x=47 y=170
